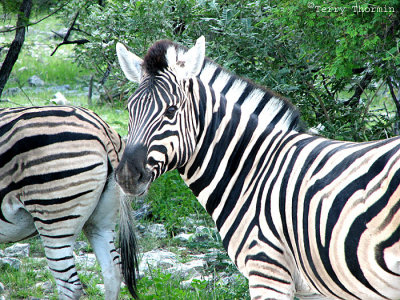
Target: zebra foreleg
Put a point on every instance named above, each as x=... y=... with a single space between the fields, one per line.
x=268 y=279
x=99 y=230
x=262 y=288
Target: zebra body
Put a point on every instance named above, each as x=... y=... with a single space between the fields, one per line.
x=54 y=169
x=296 y=213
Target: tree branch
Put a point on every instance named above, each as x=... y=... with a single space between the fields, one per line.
x=325 y=86
x=321 y=102
x=106 y=74
x=66 y=41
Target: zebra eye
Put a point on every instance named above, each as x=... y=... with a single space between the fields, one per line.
x=171 y=111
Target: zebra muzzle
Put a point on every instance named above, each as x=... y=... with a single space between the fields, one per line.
x=131 y=174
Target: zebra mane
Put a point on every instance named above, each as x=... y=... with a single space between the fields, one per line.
x=253 y=98
x=155 y=60
x=262 y=102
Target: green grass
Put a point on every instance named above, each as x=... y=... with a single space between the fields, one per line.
x=22 y=283
x=51 y=69
x=116 y=116
x=160 y=285
x=172 y=201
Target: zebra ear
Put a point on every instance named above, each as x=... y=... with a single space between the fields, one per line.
x=191 y=62
x=130 y=63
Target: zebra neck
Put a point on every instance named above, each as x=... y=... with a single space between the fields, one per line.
x=220 y=138
x=232 y=114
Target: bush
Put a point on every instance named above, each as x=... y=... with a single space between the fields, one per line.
x=318 y=61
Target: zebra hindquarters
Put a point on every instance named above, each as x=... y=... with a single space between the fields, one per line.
x=99 y=230
x=60 y=215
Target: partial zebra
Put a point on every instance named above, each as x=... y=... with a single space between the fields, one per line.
x=296 y=213
x=55 y=167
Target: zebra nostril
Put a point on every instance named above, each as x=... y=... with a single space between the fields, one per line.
x=140 y=176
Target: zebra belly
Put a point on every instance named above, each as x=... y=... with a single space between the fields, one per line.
x=20 y=225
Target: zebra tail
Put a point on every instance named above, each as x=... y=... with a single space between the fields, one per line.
x=128 y=245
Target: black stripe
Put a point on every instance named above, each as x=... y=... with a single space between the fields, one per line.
x=380 y=248
x=215 y=75
x=202 y=182
x=359 y=226
x=75 y=274
x=352 y=187
x=63 y=270
x=235 y=158
x=337 y=207
x=295 y=205
x=56 y=220
x=212 y=167
x=53 y=157
x=265 y=99
x=33 y=142
x=228 y=85
x=59 y=259
x=5 y=128
x=259 y=274
x=246 y=92
x=266 y=287
x=68 y=289
x=61 y=236
x=261 y=256
x=57 y=247
x=55 y=201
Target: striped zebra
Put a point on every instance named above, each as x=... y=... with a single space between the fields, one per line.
x=54 y=168
x=298 y=214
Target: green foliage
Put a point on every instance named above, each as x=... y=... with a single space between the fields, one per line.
x=336 y=44
x=10 y=6
x=310 y=51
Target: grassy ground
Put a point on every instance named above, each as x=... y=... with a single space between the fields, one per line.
x=170 y=199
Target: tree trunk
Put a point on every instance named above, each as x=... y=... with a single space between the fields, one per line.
x=16 y=45
x=396 y=100
x=359 y=89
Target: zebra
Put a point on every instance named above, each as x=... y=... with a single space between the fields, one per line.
x=55 y=180
x=298 y=214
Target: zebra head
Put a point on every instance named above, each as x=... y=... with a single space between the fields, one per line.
x=162 y=130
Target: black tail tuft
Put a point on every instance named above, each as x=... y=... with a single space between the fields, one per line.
x=128 y=245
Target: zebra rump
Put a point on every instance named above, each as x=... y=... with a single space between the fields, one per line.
x=55 y=180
